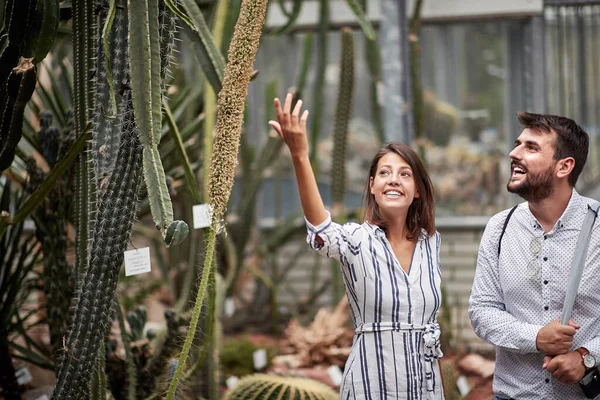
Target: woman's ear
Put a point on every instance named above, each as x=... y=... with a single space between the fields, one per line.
x=371 y=185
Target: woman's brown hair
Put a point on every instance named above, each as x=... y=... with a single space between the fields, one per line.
x=421 y=213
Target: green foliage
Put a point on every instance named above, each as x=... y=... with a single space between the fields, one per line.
x=266 y=387
x=236 y=356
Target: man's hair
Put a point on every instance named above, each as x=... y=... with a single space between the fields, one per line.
x=571 y=139
x=421 y=213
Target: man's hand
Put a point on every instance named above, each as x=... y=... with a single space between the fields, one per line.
x=566 y=368
x=555 y=338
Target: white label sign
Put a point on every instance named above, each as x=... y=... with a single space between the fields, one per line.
x=463 y=385
x=232 y=381
x=202 y=215
x=229 y=307
x=335 y=373
x=137 y=261
x=23 y=376
x=260 y=359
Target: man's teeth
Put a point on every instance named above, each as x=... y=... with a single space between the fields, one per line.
x=518 y=170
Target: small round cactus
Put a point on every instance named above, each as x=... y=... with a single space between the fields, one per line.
x=265 y=387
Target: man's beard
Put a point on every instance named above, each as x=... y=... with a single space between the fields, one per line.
x=536 y=186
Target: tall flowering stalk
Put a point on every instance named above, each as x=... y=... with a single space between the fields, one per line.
x=230 y=115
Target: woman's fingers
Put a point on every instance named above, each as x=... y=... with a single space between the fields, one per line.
x=277 y=127
x=296 y=112
x=303 y=119
x=287 y=107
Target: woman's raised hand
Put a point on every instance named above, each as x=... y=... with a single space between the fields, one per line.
x=291 y=126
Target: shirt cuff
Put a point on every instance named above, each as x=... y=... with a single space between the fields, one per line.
x=529 y=334
x=593 y=346
x=321 y=226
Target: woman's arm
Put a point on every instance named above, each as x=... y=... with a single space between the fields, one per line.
x=292 y=130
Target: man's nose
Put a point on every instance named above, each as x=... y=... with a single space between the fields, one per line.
x=515 y=153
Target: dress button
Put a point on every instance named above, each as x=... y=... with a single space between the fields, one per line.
x=547 y=380
x=545 y=237
x=545 y=282
x=545 y=258
x=546 y=308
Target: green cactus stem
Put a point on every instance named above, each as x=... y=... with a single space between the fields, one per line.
x=111 y=67
x=51 y=229
x=20 y=87
x=84 y=23
x=144 y=52
x=232 y=97
x=267 y=387
x=343 y=114
x=116 y=209
x=319 y=88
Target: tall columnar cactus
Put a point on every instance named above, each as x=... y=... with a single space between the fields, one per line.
x=106 y=128
x=51 y=228
x=230 y=115
x=342 y=118
x=116 y=208
x=144 y=53
x=84 y=23
x=266 y=387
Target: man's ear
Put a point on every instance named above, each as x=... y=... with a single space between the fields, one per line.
x=564 y=167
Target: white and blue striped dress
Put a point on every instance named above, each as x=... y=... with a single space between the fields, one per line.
x=396 y=346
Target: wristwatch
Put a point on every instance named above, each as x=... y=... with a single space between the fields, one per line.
x=589 y=361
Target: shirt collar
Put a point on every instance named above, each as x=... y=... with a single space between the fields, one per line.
x=377 y=231
x=575 y=206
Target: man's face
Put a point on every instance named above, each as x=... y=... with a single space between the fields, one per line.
x=533 y=168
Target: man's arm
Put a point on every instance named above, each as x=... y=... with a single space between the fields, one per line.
x=487 y=310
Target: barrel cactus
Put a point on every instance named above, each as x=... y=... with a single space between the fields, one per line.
x=265 y=387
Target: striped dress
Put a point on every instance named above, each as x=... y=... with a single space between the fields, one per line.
x=396 y=345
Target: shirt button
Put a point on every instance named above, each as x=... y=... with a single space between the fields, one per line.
x=546 y=308
x=545 y=282
x=545 y=237
x=547 y=380
x=545 y=258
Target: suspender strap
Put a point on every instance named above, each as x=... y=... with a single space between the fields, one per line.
x=512 y=210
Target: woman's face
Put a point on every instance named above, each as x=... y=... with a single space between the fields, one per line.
x=393 y=184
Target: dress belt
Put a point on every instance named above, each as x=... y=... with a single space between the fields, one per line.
x=431 y=340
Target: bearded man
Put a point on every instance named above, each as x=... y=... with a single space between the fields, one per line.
x=523 y=267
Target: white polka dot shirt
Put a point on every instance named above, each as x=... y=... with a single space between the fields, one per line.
x=515 y=294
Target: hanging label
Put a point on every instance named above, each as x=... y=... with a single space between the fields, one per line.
x=229 y=307
x=260 y=359
x=202 y=215
x=23 y=376
x=232 y=381
x=335 y=373
x=137 y=261
x=463 y=385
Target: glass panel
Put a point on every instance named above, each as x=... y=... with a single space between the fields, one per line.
x=464 y=80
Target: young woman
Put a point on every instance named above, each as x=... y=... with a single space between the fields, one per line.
x=390 y=265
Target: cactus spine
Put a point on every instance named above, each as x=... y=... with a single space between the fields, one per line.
x=342 y=118
x=232 y=97
x=117 y=206
x=266 y=387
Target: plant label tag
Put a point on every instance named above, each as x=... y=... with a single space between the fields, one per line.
x=232 y=381
x=380 y=87
x=202 y=215
x=137 y=261
x=23 y=376
x=42 y=397
x=260 y=359
x=463 y=385
x=335 y=373
x=229 y=307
